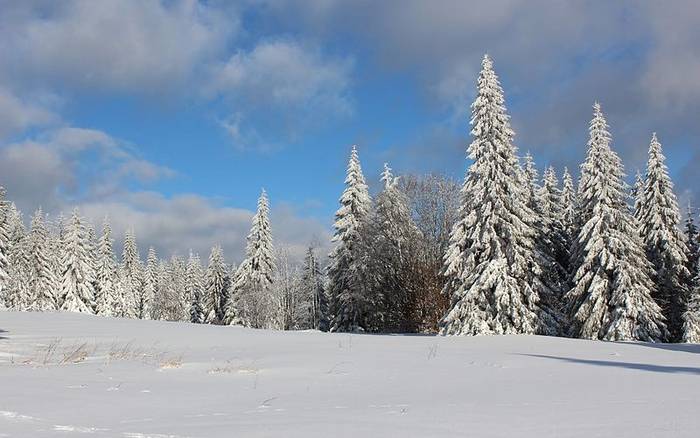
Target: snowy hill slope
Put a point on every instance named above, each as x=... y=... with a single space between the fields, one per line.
x=71 y=375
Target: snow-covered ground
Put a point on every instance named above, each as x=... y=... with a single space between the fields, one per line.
x=70 y=375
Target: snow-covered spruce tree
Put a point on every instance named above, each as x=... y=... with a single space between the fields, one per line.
x=254 y=304
x=216 y=291
x=346 y=286
x=569 y=205
x=692 y=245
x=659 y=220
x=135 y=302
x=150 y=285
x=312 y=286
x=637 y=194
x=691 y=318
x=44 y=283
x=532 y=177
x=19 y=294
x=552 y=214
x=109 y=301
x=4 y=246
x=548 y=240
x=390 y=239
x=76 y=283
x=92 y=255
x=195 y=288
x=492 y=263
x=611 y=297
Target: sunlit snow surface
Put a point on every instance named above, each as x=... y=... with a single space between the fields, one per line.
x=77 y=375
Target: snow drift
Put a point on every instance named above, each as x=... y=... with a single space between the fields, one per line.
x=70 y=374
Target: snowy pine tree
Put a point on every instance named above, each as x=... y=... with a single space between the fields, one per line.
x=569 y=205
x=135 y=303
x=252 y=287
x=4 y=246
x=76 y=283
x=556 y=246
x=19 y=294
x=611 y=295
x=195 y=289
x=216 y=292
x=691 y=316
x=533 y=184
x=150 y=286
x=638 y=196
x=44 y=283
x=692 y=245
x=494 y=278
x=109 y=301
x=346 y=287
x=659 y=220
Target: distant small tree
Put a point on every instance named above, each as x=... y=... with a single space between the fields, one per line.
x=195 y=289
x=216 y=290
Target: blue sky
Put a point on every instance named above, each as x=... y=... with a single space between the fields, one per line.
x=170 y=116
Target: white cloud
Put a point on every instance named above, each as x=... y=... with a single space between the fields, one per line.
x=50 y=172
x=124 y=45
x=672 y=76
x=176 y=225
x=280 y=83
x=282 y=73
x=17 y=114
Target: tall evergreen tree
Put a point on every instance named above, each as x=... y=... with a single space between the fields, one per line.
x=135 y=302
x=611 y=295
x=44 y=283
x=494 y=277
x=4 y=245
x=109 y=301
x=253 y=284
x=346 y=288
x=216 y=292
x=77 y=283
x=659 y=219
x=19 y=294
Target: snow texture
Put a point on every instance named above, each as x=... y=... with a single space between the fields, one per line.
x=111 y=377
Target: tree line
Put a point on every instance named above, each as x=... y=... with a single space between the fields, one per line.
x=508 y=252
